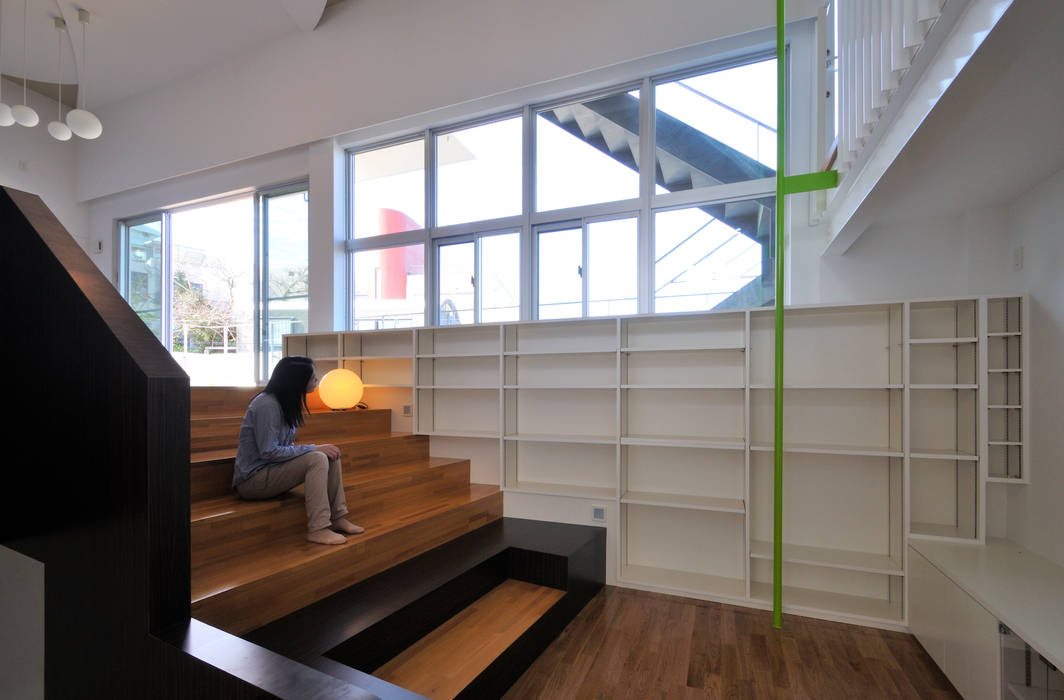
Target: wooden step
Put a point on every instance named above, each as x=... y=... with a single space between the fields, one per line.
x=483 y=631
x=219 y=401
x=222 y=432
x=228 y=524
x=211 y=472
x=249 y=589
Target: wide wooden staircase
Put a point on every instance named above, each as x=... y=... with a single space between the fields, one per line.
x=251 y=563
x=441 y=597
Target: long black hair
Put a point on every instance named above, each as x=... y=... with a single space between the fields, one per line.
x=288 y=384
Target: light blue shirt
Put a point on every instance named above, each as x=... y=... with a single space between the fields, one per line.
x=264 y=439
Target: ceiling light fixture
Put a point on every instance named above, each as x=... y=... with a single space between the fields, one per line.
x=23 y=113
x=58 y=129
x=6 y=118
x=81 y=121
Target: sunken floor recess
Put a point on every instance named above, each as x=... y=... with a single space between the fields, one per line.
x=463 y=620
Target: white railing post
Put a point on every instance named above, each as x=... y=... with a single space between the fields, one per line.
x=877 y=41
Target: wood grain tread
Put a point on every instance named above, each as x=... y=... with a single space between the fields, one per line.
x=231 y=505
x=482 y=631
x=229 y=453
x=292 y=551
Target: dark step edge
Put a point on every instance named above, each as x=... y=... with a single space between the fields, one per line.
x=272 y=673
x=328 y=623
x=383 y=689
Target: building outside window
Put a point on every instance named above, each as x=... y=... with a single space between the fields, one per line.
x=220 y=282
x=592 y=229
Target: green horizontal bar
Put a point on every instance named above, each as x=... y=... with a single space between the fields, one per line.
x=826 y=180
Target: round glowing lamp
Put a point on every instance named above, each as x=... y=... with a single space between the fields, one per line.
x=340 y=389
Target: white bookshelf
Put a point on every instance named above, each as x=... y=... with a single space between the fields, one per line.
x=1007 y=389
x=896 y=417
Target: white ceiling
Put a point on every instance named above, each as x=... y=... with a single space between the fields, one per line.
x=137 y=45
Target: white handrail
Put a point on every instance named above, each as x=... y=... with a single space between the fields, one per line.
x=877 y=42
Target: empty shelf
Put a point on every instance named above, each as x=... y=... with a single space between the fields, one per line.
x=824 y=601
x=685 y=581
x=920 y=453
x=554 y=437
x=831 y=558
x=826 y=449
x=942 y=341
x=552 y=489
x=716 y=443
x=674 y=500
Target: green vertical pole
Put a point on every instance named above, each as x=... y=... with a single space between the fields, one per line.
x=781 y=149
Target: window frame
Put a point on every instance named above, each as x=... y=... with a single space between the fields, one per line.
x=260 y=278
x=476 y=239
x=583 y=224
x=531 y=222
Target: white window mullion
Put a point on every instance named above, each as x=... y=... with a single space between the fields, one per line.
x=528 y=295
x=478 y=275
x=647 y=170
x=432 y=311
x=168 y=285
x=584 y=308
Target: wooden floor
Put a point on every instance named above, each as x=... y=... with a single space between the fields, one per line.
x=633 y=644
x=482 y=631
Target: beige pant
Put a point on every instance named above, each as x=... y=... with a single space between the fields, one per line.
x=324 y=488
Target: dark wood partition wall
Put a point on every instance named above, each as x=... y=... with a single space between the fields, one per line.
x=95 y=470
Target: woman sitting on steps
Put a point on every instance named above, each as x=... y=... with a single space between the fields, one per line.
x=268 y=463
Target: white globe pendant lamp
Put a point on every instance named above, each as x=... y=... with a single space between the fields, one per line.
x=81 y=121
x=58 y=129
x=6 y=118
x=23 y=113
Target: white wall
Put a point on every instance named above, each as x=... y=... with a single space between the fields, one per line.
x=102 y=214
x=973 y=254
x=32 y=161
x=22 y=619
x=1034 y=512
x=374 y=61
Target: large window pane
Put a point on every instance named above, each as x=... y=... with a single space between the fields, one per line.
x=478 y=173
x=285 y=219
x=612 y=287
x=500 y=282
x=457 y=291
x=714 y=256
x=213 y=293
x=389 y=287
x=389 y=189
x=587 y=152
x=145 y=283
x=716 y=128
x=561 y=273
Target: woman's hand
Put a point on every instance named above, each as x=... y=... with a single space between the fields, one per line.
x=331 y=451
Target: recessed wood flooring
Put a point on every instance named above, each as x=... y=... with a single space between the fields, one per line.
x=633 y=644
x=446 y=660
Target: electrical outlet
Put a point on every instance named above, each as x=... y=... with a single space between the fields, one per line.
x=408 y=410
x=598 y=514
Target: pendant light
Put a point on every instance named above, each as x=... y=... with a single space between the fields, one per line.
x=81 y=121
x=58 y=129
x=23 y=113
x=6 y=118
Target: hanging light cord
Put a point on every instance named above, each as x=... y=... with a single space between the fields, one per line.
x=1 y=53
x=59 y=43
x=84 y=65
x=25 y=42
